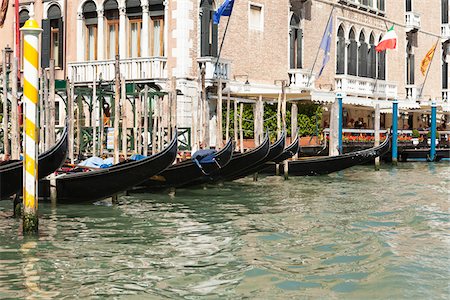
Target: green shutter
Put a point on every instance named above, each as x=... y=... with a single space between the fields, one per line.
x=292 y=48
x=299 y=48
x=204 y=38
x=45 y=44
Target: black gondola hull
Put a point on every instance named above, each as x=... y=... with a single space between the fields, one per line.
x=188 y=172
x=11 y=174
x=104 y=183
x=423 y=155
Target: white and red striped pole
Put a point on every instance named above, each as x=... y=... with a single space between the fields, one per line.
x=31 y=31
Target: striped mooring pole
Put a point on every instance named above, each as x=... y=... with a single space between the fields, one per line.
x=31 y=31
x=433 y=132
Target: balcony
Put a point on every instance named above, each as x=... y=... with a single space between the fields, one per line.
x=300 y=78
x=133 y=69
x=445 y=32
x=412 y=93
x=212 y=72
x=369 y=87
x=412 y=22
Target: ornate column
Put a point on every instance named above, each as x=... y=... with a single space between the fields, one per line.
x=80 y=39
x=100 y=35
x=144 y=35
x=122 y=33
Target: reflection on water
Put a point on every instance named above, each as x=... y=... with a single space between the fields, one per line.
x=352 y=235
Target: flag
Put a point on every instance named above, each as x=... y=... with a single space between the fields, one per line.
x=3 y=11
x=224 y=10
x=325 y=44
x=389 y=41
x=427 y=59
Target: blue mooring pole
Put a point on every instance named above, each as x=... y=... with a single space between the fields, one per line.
x=394 y=131
x=433 y=132
x=340 y=121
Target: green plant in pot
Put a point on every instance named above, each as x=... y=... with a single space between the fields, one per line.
x=415 y=137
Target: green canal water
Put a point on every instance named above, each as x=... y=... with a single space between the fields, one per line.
x=357 y=234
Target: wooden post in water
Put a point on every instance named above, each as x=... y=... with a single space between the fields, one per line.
x=227 y=129
x=15 y=134
x=52 y=106
x=173 y=107
x=205 y=118
x=41 y=112
x=70 y=112
x=377 y=134
x=116 y=110
x=94 y=117
x=145 y=152
x=6 y=149
x=31 y=33
x=123 y=100
x=283 y=116
x=279 y=115
x=235 y=127
x=241 y=130
x=155 y=125
x=46 y=111
x=79 y=115
x=219 y=133
x=294 y=123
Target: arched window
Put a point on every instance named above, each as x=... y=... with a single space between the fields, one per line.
x=111 y=11
x=209 y=30
x=53 y=37
x=295 y=43
x=352 y=54
x=381 y=63
x=134 y=14
x=90 y=20
x=340 y=51
x=409 y=63
x=362 y=56
x=372 y=59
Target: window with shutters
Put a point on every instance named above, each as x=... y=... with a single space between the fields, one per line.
x=134 y=14
x=52 y=38
x=381 y=57
x=157 y=36
x=372 y=58
x=352 y=54
x=381 y=5
x=362 y=56
x=340 y=51
x=91 y=32
x=209 y=30
x=408 y=5
x=256 y=19
x=409 y=63
x=444 y=11
x=112 y=28
x=295 y=43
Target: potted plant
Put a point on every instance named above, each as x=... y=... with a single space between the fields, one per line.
x=415 y=137
x=429 y=138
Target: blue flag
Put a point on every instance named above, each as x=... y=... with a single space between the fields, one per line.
x=325 y=44
x=224 y=10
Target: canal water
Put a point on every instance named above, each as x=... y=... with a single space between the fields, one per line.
x=357 y=234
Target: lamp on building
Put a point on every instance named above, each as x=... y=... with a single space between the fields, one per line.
x=8 y=52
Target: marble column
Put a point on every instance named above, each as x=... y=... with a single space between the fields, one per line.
x=100 y=35
x=122 y=33
x=80 y=44
x=144 y=35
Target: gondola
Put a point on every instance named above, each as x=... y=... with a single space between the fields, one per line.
x=423 y=154
x=241 y=161
x=11 y=172
x=289 y=152
x=275 y=150
x=102 y=183
x=189 y=171
x=330 y=164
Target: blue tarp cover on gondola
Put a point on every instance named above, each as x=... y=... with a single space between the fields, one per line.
x=204 y=156
x=97 y=162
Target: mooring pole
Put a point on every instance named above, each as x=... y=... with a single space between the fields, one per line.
x=5 y=104
x=394 y=132
x=339 y=99
x=15 y=134
x=31 y=31
x=377 y=134
x=433 y=132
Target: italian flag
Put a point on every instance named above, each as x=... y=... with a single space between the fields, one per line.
x=389 y=41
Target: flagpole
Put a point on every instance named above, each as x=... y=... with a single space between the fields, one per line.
x=221 y=44
x=428 y=69
x=318 y=49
